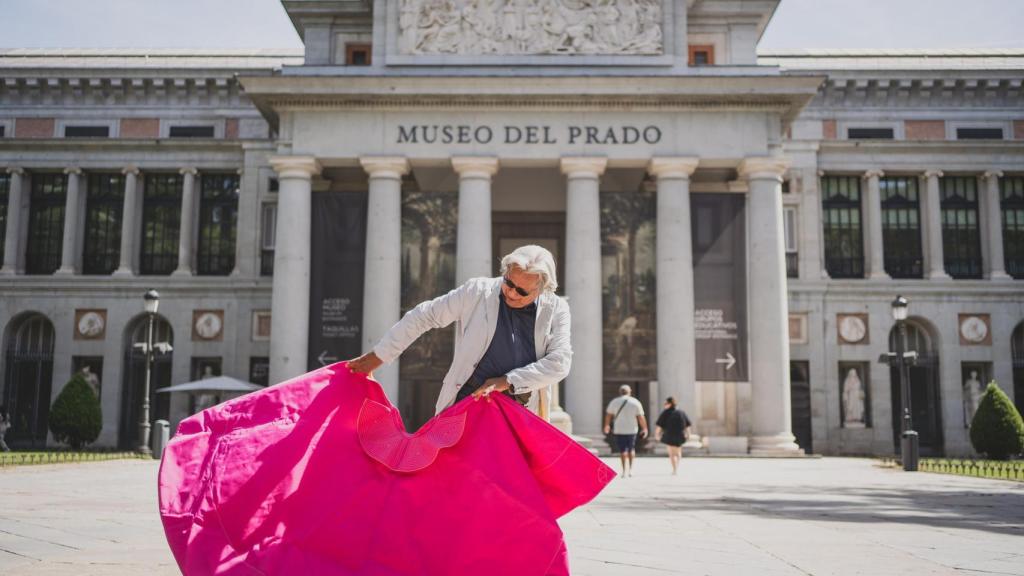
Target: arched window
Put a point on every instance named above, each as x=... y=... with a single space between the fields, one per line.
x=28 y=380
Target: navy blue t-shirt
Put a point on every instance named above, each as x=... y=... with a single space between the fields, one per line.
x=511 y=347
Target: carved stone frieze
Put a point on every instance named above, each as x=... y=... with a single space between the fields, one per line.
x=528 y=27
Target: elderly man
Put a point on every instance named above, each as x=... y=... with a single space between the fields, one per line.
x=511 y=333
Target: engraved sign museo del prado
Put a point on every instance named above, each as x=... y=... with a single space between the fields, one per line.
x=481 y=27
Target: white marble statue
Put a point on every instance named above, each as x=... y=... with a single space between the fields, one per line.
x=481 y=27
x=972 y=397
x=853 y=400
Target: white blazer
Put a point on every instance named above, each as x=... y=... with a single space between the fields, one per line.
x=474 y=309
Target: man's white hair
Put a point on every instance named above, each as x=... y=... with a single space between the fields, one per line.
x=624 y=389
x=533 y=259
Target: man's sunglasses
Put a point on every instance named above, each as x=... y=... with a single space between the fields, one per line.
x=518 y=290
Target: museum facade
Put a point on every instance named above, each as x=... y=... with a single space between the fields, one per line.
x=729 y=228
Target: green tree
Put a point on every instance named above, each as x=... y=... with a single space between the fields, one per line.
x=76 y=417
x=997 y=430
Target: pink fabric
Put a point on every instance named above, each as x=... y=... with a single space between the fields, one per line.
x=316 y=476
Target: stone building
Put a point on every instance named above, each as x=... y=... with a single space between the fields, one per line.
x=730 y=229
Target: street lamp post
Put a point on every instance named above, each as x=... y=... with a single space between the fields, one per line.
x=903 y=359
x=152 y=303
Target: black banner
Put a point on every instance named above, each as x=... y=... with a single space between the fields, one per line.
x=338 y=235
x=720 y=286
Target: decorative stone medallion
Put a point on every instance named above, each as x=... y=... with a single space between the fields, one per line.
x=853 y=328
x=798 y=328
x=207 y=324
x=90 y=324
x=975 y=330
x=260 y=325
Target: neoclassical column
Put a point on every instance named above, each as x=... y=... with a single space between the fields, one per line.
x=674 y=291
x=873 y=238
x=12 y=235
x=994 y=227
x=583 y=289
x=382 y=296
x=187 y=230
x=72 y=204
x=933 y=224
x=289 y=322
x=129 y=225
x=473 y=239
x=769 y=309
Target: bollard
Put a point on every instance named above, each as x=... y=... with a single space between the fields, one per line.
x=161 y=434
x=909 y=451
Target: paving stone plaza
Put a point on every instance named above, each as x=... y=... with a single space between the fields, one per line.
x=720 y=516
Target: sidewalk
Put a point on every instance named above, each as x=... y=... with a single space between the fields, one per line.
x=720 y=516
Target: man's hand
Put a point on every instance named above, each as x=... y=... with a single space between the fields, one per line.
x=365 y=364
x=643 y=433
x=499 y=384
x=607 y=429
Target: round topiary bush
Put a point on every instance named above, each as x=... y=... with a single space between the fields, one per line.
x=76 y=417
x=997 y=430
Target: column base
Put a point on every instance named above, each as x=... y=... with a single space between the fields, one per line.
x=123 y=273
x=182 y=272
x=879 y=276
x=779 y=445
x=939 y=276
x=560 y=419
x=7 y=271
x=62 y=271
x=1000 y=276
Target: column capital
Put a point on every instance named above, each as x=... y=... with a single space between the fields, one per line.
x=996 y=174
x=763 y=168
x=475 y=166
x=130 y=169
x=932 y=173
x=385 y=166
x=15 y=170
x=295 y=166
x=673 y=167
x=188 y=171
x=583 y=166
x=73 y=170
x=874 y=173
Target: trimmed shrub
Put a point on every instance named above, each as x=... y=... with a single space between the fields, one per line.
x=997 y=429
x=76 y=417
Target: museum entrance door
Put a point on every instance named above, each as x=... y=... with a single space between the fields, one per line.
x=925 y=402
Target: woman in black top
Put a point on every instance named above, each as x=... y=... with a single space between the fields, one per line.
x=673 y=428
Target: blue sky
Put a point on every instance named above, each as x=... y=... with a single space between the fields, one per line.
x=264 y=24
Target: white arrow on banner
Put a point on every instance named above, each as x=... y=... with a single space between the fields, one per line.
x=729 y=361
x=324 y=359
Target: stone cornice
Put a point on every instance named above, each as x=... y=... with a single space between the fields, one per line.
x=909 y=89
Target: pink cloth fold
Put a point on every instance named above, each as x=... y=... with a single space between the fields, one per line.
x=316 y=475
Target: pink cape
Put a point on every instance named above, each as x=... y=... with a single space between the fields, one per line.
x=317 y=476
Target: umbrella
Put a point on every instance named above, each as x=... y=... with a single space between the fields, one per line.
x=215 y=384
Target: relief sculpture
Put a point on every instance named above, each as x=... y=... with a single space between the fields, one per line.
x=482 y=27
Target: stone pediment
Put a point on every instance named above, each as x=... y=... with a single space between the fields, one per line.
x=530 y=27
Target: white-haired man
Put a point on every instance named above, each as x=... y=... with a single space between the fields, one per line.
x=511 y=333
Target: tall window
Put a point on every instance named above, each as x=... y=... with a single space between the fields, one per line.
x=268 y=236
x=961 y=237
x=5 y=191
x=218 y=224
x=841 y=220
x=45 y=223
x=104 y=204
x=901 y=226
x=161 y=221
x=1012 y=207
x=792 y=255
